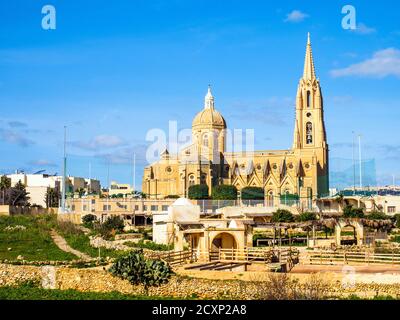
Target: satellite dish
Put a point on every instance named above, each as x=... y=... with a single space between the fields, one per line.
x=39 y=172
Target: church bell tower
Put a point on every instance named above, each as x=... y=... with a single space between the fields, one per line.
x=309 y=131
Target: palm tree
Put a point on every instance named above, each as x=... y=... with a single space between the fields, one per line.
x=5 y=184
x=52 y=198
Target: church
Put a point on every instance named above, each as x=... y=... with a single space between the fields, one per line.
x=301 y=170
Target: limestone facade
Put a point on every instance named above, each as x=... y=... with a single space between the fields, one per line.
x=301 y=170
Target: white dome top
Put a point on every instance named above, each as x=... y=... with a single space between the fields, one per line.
x=182 y=202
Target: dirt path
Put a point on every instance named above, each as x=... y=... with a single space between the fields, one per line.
x=64 y=246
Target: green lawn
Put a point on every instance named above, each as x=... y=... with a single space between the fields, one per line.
x=34 y=293
x=34 y=243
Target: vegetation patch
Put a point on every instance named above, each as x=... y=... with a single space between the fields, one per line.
x=138 y=270
x=27 y=237
x=149 y=245
x=29 y=292
x=78 y=240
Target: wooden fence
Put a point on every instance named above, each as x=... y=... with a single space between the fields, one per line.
x=321 y=257
x=175 y=258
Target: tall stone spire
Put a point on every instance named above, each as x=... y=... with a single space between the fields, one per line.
x=209 y=99
x=309 y=71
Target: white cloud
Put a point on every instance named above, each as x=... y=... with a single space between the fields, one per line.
x=42 y=163
x=13 y=137
x=363 y=29
x=382 y=64
x=296 y=16
x=100 y=141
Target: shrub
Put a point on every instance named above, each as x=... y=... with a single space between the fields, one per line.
x=397 y=220
x=149 y=245
x=68 y=227
x=224 y=192
x=172 y=196
x=376 y=215
x=350 y=212
x=252 y=193
x=198 y=192
x=282 y=215
x=88 y=219
x=307 y=216
x=138 y=270
x=110 y=227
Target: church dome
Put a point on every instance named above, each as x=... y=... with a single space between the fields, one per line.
x=209 y=117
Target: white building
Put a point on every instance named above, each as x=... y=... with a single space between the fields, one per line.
x=38 y=184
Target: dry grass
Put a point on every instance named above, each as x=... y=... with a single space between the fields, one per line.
x=280 y=286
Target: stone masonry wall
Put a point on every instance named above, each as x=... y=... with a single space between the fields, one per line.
x=99 y=280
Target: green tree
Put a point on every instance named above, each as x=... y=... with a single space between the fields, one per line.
x=224 y=192
x=17 y=195
x=306 y=216
x=376 y=215
x=397 y=220
x=110 y=227
x=52 y=198
x=81 y=192
x=140 y=271
x=350 y=212
x=198 y=192
x=88 y=220
x=252 y=193
x=282 y=215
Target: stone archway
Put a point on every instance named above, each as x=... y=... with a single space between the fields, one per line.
x=357 y=227
x=223 y=240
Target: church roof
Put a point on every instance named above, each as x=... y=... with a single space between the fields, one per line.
x=209 y=117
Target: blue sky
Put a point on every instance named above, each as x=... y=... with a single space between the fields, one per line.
x=111 y=71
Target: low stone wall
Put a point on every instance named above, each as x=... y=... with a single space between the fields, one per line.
x=99 y=280
x=75 y=218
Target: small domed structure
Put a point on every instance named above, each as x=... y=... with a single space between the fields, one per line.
x=209 y=117
x=182 y=202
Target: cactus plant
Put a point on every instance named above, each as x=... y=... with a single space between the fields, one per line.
x=138 y=270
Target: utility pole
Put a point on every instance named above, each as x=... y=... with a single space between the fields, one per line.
x=108 y=182
x=64 y=172
x=90 y=177
x=354 y=167
x=359 y=156
x=134 y=173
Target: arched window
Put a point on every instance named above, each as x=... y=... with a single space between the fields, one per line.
x=309 y=136
x=191 y=180
x=308 y=99
x=205 y=140
x=270 y=198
